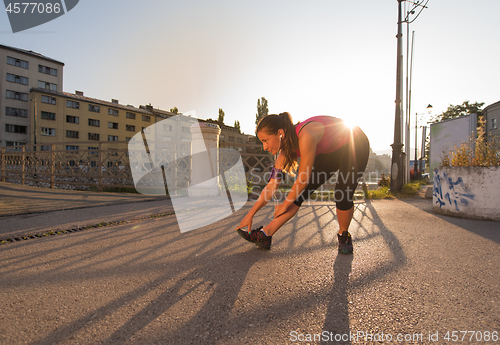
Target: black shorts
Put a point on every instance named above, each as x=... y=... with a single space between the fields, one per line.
x=350 y=161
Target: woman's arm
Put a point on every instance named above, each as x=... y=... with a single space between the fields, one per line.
x=309 y=138
x=264 y=197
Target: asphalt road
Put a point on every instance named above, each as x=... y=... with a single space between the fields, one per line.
x=413 y=274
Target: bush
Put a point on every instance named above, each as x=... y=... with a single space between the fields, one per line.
x=384 y=181
x=485 y=154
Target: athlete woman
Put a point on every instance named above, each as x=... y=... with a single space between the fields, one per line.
x=325 y=145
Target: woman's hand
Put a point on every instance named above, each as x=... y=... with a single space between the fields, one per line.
x=279 y=210
x=246 y=221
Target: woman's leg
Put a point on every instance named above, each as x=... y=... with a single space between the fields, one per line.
x=277 y=223
x=352 y=167
x=344 y=218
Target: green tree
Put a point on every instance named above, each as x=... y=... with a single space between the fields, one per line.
x=466 y=108
x=262 y=109
x=237 y=125
x=221 y=116
x=174 y=110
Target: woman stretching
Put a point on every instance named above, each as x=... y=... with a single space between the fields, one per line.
x=324 y=144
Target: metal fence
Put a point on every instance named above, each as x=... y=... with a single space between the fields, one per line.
x=106 y=165
x=98 y=166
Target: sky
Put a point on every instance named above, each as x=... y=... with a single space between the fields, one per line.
x=316 y=57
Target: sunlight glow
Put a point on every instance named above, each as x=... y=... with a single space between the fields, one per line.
x=350 y=122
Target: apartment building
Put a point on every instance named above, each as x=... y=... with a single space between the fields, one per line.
x=492 y=115
x=20 y=71
x=34 y=109
x=66 y=117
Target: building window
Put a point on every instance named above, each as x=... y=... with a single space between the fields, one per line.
x=186 y=130
x=20 y=96
x=128 y=139
x=47 y=86
x=72 y=148
x=113 y=112
x=112 y=138
x=14 y=143
x=167 y=128
x=493 y=123
x=113 y=125
x=94 y=108
x=146 y=118
x=72 y=119
x=72 y=134
x=49 y=100
x=94 y=123
x=48 y=131
x=16 y=112
x=93 y=150
x=18 y=62
x=48 y=116
x=47 y=70
x=130 y=115
x=231 y=139
x=44 y=148
x=240 y=140
x=16 y=129
x=72 y=104
x=93 y=136
x=130 y=128
x=17 y=79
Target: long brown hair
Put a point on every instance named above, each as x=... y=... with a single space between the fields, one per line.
x=289 y=143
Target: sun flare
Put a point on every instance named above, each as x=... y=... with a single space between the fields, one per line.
x=350 y=122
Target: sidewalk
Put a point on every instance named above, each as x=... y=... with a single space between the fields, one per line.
x=17 y=199
x=26 y=210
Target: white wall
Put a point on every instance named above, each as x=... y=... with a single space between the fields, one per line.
x=447 y=134
x=469 y=192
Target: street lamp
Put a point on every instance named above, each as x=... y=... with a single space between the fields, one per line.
x=415 y=174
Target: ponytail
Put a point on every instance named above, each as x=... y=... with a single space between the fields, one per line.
x=289 y=143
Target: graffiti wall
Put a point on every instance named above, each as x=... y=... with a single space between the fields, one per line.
x=470 y=192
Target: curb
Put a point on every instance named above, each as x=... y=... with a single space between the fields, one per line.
x=77 y=229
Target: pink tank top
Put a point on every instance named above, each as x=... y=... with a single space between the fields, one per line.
x=336 y=133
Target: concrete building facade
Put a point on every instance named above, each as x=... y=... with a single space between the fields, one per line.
x=20 y=71
x=34 y=109
x=66 y=117
x=492 y=115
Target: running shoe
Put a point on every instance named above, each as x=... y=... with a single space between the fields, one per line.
x=345 y=243
x=258 y=237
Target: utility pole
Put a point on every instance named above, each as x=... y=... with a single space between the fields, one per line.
x=399 y=159
x=397 y=153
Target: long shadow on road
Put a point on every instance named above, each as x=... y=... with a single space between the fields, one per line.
x=369 y=226
x=198 y=283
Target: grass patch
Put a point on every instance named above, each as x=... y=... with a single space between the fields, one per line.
x=380 y=193
x=409 y=190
